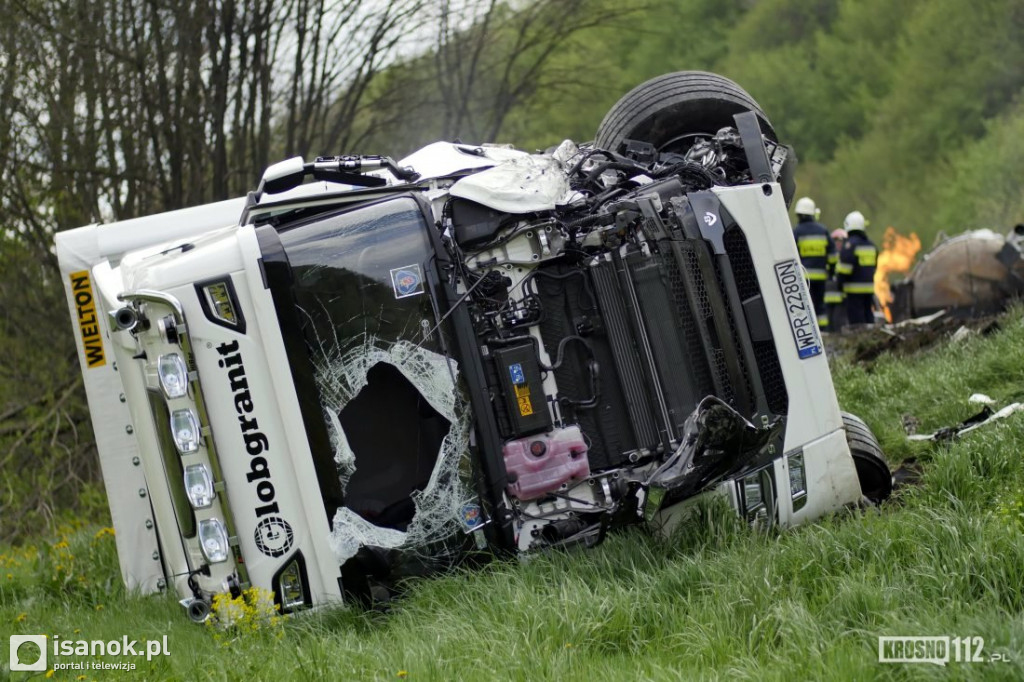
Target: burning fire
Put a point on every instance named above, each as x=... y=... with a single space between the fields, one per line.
x=897 y=256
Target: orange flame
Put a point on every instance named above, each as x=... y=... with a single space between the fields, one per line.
x=897 y=257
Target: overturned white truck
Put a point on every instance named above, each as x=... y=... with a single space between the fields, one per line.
x=366 y=370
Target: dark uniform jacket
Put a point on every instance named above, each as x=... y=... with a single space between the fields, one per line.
x=816 y=249
x=856 y=267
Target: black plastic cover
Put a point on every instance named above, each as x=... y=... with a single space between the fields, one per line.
x=474 y=223
x=519 y=376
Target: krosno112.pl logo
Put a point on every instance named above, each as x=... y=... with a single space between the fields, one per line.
x=938 y=650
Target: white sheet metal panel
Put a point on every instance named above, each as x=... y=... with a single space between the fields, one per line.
x=80 y=250
x=813 y=408
x=135 y=534
x=526 y=184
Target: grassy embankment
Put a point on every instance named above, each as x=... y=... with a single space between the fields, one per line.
x=719 y=600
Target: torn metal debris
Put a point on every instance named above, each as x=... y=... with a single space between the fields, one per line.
x=986 y=416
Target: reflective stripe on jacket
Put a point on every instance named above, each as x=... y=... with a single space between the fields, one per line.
x=859 y=288
x=833 y=294
x=815 y=248
x=855 y=270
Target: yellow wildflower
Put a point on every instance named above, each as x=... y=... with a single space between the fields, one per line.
x=403 y=674
x=103 y=532
x=21 y=618
x=49 y=673
x=99 y=607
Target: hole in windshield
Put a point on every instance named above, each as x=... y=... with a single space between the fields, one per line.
x=395 y=435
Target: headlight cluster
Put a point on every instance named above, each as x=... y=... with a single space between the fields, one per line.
x=199 y=485
x=757 y=493
x=292 y=590
x=797 y=480
x=188 y=453
x=213 y=539
x=290 y=585
x=185 y=431
x=219 y=303
x=187 y=435
x=752 y=493
x=173 y=375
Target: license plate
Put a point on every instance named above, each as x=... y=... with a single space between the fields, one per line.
x=802 y=320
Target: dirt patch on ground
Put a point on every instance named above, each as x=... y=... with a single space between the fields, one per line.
x=868 y=343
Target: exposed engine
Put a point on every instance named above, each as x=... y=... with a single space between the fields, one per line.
x=587 y=317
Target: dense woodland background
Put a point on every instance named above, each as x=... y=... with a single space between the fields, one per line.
x=911 y=111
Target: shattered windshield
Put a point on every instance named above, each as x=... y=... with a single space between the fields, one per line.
x=386 y=385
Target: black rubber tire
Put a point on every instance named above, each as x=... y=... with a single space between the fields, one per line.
x=675 y=104
x=872 y=469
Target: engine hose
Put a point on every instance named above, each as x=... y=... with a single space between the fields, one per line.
x=579 y=164
x=689 y=168
x=560 y=277
x=559 y=354
x=592 y=365
x=595 y=395
x=587 y=221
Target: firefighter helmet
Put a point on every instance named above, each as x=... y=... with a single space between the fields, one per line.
x=854 y=222
x=805 y=206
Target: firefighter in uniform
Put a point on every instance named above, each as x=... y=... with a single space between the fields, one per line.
x=833 y=292
x=855 y=270
x=816 y=249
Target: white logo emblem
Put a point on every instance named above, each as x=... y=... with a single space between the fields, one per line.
x=15 y=660
x=710 y=218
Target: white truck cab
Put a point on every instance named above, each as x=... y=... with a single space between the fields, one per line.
x=326 y=386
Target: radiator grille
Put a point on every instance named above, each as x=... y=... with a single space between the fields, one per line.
x=765 y=353
x=698 y=323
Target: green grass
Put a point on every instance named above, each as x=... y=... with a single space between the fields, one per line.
x=718 y=600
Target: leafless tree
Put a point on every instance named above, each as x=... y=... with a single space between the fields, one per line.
x=111 y=109
x=492 y=56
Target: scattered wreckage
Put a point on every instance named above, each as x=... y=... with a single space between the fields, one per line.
x=968 y=275
x=987 y=415
x=907 y=337
x=326 y=386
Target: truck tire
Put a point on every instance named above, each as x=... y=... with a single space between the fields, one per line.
x=665 y=108
x=872 y=469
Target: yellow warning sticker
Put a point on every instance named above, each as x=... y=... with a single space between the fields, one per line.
x=88 y=323
x=523 y=398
